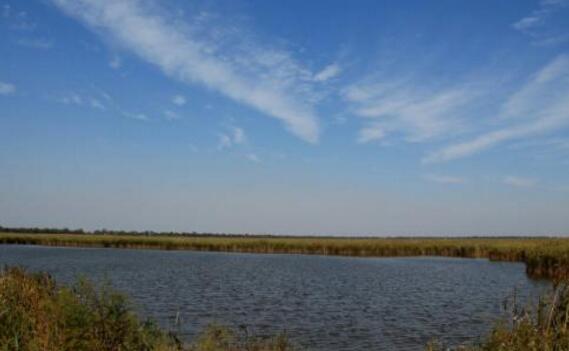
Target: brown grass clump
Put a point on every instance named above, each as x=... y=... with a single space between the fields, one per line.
x=543 y=327
x=36 y=314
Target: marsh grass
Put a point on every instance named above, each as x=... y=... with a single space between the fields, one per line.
x=220 y=338
x=37 y=314
x=544 y=257
x=541 y=327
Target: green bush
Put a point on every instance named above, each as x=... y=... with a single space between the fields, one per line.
x=37 y=314
x=543 y=327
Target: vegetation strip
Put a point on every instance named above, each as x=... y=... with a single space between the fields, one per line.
x=38 y=314
x=544 y=257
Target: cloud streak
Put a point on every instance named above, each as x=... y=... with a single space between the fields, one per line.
x=74 y=98
x=519 y=182
x=7 y=88
x=235 y=136
x=393 y=107
x=539 y=107
x=442 y=179
x=329 y=72
x=179 y=100
x=267 y=80
x=538 y=24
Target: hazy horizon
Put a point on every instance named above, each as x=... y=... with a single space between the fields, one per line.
x=384 y=118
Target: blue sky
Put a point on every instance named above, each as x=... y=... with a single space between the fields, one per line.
x=299 y=117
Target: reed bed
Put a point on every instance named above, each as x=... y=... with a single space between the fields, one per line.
x=37 y=314
x=544 y=257
x=540 y=327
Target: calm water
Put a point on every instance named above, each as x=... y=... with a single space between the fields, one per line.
x=324 y=303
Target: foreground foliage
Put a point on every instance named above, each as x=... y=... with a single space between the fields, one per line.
x=544 y=327
x=36 y=314
x=544 y=257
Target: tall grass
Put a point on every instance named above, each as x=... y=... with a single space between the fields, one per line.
x=36 y=314
x=543 y=327
x=544 y=257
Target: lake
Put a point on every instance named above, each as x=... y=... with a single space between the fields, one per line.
x=322 y=302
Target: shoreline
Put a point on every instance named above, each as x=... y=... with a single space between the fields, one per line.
x=544 y=257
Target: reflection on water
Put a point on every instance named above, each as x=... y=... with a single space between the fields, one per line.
x=323 y=303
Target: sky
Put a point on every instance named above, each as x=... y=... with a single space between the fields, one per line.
x=364 y=117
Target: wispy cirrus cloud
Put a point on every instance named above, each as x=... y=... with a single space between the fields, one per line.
x=234 y=136
x=253 y=157
x=74 y=98
x=328 y=72
x=7 y=88
x=541 y=26
x=19 y=22
x=399 y=107
x=539 y=107
x=266 y=79
x=171 y=115
x=115 y=62
x=519 y=182
x=36 y=43
x=136 y=116
x=445 y=179
x=179 y=100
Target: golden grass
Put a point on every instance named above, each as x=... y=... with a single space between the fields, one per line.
x=36 y=314
x=541 y=327
x=544 y=257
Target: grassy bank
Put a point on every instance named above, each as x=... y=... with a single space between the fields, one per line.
x=36 y=314
x=542 y=327
x=544 y=257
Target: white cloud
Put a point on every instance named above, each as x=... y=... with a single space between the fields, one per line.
x=25 y=29
x=540 y=106
x=519 y=182
x=328 y=73
x=235 y=136
x=7 y=88
x=418 y=114
x=224 y=142
x=17 y=20
x=239 y=135
x=179 y=100
x=253 y=157
x=71 y=99
x=527 y=22
x=171 y=115
x=74 y=98
x=96 y=103
x=36 y=43
x=269 y=81
x=115 y=62
x=136 y=116
x=372 y=132
x=539 y=25
x=442 y=179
